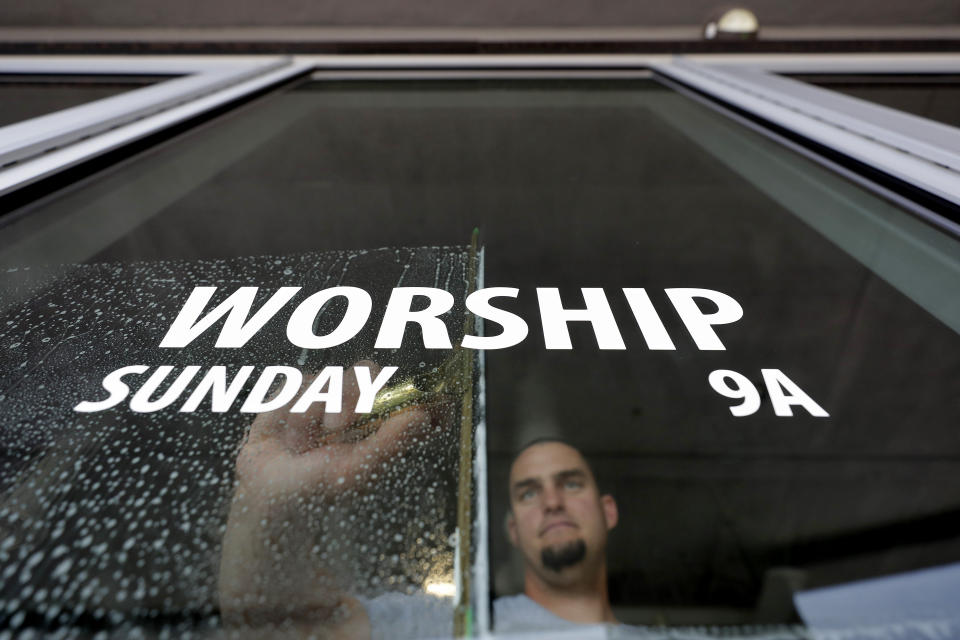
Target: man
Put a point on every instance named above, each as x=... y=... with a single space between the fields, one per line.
x=290 y=464
x=559 y=522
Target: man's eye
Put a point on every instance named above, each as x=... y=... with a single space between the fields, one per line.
x=573 y=484
x=527 y=494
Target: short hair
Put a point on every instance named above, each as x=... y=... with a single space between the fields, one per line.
x=547 y=440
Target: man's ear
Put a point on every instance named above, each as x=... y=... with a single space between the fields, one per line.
x=512 y=528
x=610 y=513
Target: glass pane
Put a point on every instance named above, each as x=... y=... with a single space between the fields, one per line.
x=933 y=96
x=848 y=309
x=125 y=516
x=28 y=96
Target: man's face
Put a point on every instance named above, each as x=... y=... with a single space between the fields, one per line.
x=559 y=520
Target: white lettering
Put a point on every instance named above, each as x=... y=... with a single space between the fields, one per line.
x=597 y=312
x=258 y=402
x=784 y=392
x=368 y=389
x=699 y=323
x=332 y=379
x=300 y=326
x=215 y=383
x=647 y=319
x=141 y=402
x=398 y=314
x=113 y=383
x=514 y=327
x=742 y=388
x=236 y=331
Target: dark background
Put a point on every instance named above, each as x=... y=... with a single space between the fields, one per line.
x=722 y=517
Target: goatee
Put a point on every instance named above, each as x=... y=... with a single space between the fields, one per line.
x=559 y=558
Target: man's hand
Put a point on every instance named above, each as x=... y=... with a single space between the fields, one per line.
x=290 y=465
x=311 y=454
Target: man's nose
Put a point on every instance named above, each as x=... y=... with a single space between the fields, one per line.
x=552 y=499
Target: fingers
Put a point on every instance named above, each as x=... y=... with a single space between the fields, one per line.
x=316 y=428
x=396 y=432
x=293 y=432
x=346 y=466
x=298 y=432
x=404 y=431
x=334 y=423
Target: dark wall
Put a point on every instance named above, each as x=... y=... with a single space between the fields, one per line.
x=465 y=13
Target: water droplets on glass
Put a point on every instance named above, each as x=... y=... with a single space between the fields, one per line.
x=114 y=521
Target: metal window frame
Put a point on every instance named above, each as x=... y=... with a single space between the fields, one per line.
x=38 y=147
x=910 y=148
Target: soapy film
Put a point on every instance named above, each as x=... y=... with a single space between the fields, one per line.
x=114 y=521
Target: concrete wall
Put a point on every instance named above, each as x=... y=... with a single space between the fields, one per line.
x=465 y=13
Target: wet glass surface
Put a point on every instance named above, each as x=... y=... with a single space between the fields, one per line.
x=604 y=184
x=117 y=518
x=933 y=96
x=28 y=96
